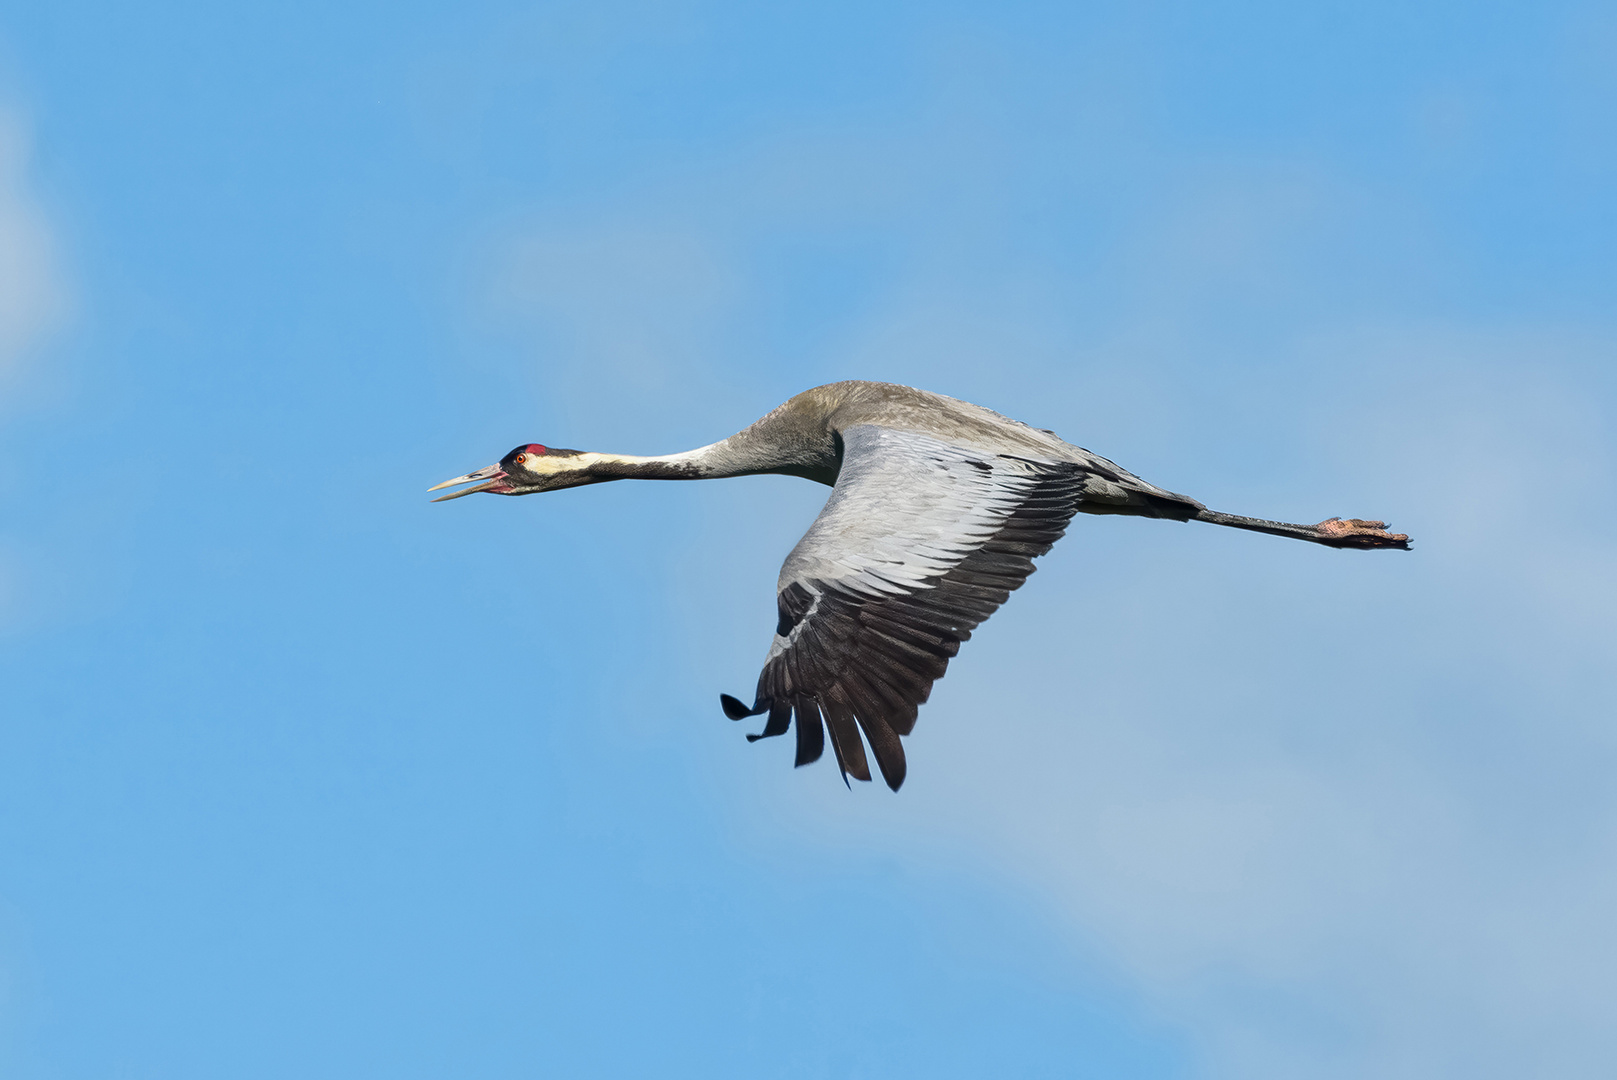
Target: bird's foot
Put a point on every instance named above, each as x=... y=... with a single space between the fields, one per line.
x=1355 y=533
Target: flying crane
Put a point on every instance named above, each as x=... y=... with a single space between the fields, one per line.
x=937 y=510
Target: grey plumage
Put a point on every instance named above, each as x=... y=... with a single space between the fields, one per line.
x=938 y=509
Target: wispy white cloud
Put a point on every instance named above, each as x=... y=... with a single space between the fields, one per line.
x=1337 y=817
x=33 y=293
x=33 y=296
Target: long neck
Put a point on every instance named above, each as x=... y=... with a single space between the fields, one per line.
x=704 y=463
x=779 y=443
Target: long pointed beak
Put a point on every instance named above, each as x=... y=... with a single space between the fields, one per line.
x=492 y=476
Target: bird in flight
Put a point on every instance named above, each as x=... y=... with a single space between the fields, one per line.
x=937 y=510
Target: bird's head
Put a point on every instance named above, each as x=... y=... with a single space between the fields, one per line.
x=523 y=471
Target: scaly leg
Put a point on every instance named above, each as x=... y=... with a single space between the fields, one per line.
x=1332 y=532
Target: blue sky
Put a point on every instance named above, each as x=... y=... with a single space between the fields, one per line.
x=301 y=775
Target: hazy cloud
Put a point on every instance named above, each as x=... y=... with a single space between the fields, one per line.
x=32 y=295
x=1336 y=818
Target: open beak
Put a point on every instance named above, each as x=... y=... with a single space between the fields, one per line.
x=493 y=479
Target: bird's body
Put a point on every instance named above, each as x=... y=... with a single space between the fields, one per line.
x=937 y=511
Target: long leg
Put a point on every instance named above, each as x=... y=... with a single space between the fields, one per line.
x=1333 y=532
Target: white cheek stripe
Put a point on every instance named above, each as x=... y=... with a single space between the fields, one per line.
x=548 y=465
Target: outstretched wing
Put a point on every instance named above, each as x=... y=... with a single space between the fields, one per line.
x=919 y=542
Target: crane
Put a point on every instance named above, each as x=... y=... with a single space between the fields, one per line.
x=938 y=508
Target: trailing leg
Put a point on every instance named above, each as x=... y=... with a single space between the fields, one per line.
x=1332 y=532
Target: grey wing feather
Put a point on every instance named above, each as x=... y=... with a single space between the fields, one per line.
x=920 y=541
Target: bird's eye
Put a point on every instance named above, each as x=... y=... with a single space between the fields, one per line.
x=522 y=459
